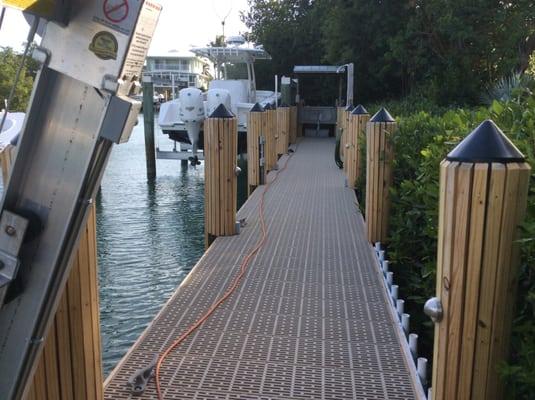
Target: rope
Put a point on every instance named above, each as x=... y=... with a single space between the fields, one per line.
x=29 y=41
x=234 y=285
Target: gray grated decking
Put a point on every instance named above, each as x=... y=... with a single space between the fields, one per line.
x=309 y=321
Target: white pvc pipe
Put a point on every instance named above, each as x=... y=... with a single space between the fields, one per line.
x=386 y=264
x=413 y=345
x=400 y=308
x=422 y=370
x=394 y=292
x=405 y=322
x=390 y=279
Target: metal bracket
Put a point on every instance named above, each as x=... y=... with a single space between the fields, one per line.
x=137 y=383
x=12 y=230
x=433 y=309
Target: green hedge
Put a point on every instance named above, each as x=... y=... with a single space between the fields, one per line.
x=423 y=140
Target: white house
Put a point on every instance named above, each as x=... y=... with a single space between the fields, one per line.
x=175 y=70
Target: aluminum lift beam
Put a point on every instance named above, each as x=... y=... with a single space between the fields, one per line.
x=79 y=107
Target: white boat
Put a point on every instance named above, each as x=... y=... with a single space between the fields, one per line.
x=182 y=119
x=11 y=129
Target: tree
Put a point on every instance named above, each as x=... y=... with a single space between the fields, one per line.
x=9 y=63
x=444 y=51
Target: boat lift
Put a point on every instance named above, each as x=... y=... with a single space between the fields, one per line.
x=315 y=117
x=92 y=57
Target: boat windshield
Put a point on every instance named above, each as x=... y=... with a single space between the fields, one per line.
x=235 y=71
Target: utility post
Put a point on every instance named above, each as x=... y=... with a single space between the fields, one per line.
x=148 y=120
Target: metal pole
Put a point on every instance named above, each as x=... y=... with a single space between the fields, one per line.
x=148 y=119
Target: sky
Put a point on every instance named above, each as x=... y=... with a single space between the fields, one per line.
x=182 y=24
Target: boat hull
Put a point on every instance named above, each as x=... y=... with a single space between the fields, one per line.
x=181 y=136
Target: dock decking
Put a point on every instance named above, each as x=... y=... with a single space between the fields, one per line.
x=309 y=321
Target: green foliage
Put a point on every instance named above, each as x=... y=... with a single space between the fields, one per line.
x=9 y=63
x=531 y=66
x=511 y=87
x=423 y=140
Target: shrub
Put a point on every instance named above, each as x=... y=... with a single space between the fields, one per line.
x=422 y=141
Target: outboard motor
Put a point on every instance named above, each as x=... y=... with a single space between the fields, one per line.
x=191 y=112
x=217 y=97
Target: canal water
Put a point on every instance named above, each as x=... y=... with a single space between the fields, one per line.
x=149 y=234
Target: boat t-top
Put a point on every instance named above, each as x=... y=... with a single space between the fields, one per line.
x=182 y=119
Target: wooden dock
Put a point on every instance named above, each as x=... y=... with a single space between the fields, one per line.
x=310 y=320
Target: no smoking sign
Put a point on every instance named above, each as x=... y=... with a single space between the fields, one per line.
x=119 y=15
x=116 y=10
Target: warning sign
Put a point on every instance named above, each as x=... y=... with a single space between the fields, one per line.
x=119 y=15
x=116 y=10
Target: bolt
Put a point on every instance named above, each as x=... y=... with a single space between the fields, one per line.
x=11 y=231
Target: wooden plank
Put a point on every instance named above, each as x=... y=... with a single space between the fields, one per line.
x=507 y=270
x=94 y=301
x=520 y=207
x=381 y=165
x=370 y=143
x=76 y=331
x=50 y=360
x=64 y=349
x=489 y=271
x=474 y=260
x=39 y=382
x=84 y=266
x=446 y=247
x=457 y=279
x=444 y=169
x=388 y=174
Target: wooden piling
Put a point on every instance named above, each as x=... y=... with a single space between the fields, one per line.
x=379 y=157
x=358 y=119
x=255 y=132
x=148 y=121
x=70 y=365
x=293 y=124
x=483 y=190
x=345 y=121
x=220 y=182
x=270 y=147
x=7 y=155
x=283 y=129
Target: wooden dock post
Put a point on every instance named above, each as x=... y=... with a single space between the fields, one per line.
x=483 y=190
x=343 y=133
x=148 y=121
x=379 y=157
x=255 y=133
x=220 y=182
x=293 y=124
x=358 y=119
x=270 y=146
x=70 y=366
x=283 y=129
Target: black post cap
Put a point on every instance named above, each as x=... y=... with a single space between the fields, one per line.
x=349 y=107
x=359 y=110
x=283 y=105
x=257 y=108
x=221 y=112
x=382 y=116
x=267 y=107
x=486 y=143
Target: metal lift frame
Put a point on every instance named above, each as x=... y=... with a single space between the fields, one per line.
x=78 y=109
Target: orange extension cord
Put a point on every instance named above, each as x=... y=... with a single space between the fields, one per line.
x=235 y=284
